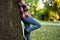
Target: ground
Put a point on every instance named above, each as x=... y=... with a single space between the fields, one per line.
x=48 y=31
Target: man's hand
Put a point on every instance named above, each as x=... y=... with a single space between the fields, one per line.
x=24 y=16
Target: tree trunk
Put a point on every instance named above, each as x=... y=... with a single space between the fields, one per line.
x=10 y=23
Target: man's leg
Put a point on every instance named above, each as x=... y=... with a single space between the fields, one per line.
x=27 y=34
x=35 y=24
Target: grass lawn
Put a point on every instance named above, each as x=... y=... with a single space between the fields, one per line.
x=46 y=32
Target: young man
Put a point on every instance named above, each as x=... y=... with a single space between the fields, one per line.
x=27 y=19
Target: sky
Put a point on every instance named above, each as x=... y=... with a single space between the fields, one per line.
x=40 y=4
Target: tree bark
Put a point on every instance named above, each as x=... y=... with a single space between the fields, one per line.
x=10 y=23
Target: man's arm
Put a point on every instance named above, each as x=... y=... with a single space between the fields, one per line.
x=23 y=7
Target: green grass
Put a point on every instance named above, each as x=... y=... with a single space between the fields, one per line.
x=46 y=32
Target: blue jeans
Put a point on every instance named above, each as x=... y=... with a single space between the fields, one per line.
x=27 y=21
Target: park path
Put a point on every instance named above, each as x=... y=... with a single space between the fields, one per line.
x=50 y=23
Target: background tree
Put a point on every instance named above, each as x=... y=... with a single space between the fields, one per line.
x=10 y=23
x=45 y=7
x=52 y=5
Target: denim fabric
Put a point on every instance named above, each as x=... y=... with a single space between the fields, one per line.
x=27 y=21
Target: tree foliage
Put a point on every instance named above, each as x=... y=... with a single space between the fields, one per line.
x=43 y=13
